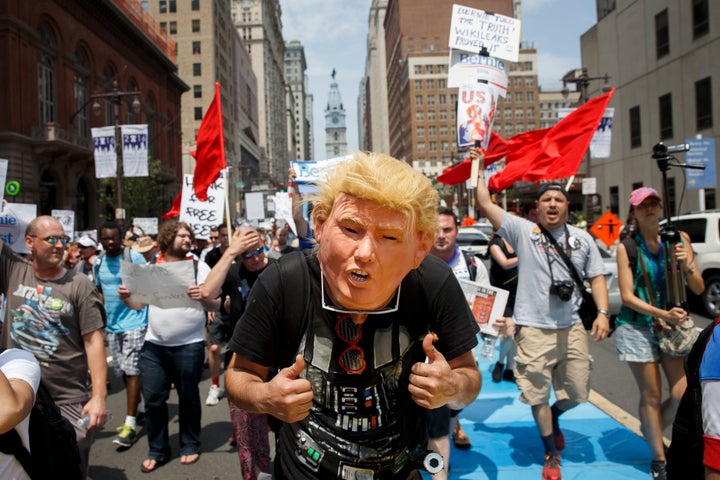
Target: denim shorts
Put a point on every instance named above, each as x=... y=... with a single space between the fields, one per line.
x=636 y=344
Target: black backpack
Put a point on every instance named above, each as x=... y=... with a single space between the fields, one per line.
x=685 y=455
x=53 y=443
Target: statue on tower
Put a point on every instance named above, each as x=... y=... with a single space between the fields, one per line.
x=333 y=74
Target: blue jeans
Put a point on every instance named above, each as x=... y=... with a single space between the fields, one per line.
x=159 y=367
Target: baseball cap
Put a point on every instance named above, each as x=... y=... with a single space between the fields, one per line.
x=640 y=194
x=87 y=242
x=552 y=186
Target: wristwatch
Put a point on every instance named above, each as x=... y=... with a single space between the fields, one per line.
x=604 y=312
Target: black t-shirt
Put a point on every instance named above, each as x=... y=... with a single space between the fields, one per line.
x=501 y=278
x=213 y=256
x=368 y=414
x=237 y=285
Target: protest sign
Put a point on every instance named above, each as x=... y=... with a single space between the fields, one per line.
x=202 y=216
x=149 y=225
x=161 y=284
x=13 y=222
x=476 y=113
x=487 y=304
x=66 y=218
x=254 y=207
x=468 y=67
x=474 y=30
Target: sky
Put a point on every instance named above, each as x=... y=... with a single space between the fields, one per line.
x=334 y=35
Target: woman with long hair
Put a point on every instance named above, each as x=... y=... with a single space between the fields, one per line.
x=641 y=257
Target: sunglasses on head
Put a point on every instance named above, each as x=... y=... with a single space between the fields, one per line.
x=53 y=239
x=252 y=253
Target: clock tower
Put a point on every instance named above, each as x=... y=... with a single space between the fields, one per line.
x=335 y=131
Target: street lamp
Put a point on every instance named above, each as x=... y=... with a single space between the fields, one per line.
x=582 y=82
x=115 y=96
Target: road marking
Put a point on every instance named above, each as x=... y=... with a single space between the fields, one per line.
x=618 y=414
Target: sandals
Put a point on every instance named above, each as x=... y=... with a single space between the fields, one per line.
x=190 y=458
x=155 y=465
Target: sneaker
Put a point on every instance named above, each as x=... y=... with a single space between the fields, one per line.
x=497 y=372
x=551 y=470
x=126 y=437
x=657 y=470
x=214 y=395
x=508 y=376
x=559 y=439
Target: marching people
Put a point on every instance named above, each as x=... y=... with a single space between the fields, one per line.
x=88 y=250
x=173 y=354
x=504 y=274
x=350 y=354
x=57 y=315
x=552 y=346
x=642 y=280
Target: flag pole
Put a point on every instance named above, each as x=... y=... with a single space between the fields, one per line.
x=226 y=173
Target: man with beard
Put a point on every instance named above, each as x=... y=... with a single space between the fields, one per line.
x=231 y=279
x=173 y=354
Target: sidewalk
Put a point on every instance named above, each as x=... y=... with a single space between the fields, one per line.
x=506 y=445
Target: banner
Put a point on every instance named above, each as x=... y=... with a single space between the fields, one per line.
x=67 y=219
x=105 y=152
x=135 y=150
x=13 y=222
x=202 y=216
x=161 y=284
x=470 y=67
x=601 y=141
x=475 y=114
x=149 y=225
x=472 y=30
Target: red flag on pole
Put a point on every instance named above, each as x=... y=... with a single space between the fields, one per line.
x=210 y=148
x=458 y=173
x=175 y=209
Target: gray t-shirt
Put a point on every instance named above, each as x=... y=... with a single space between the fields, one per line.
x=539 y=264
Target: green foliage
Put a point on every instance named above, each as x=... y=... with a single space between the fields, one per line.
x=142 y=196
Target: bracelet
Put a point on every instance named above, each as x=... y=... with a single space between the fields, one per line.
x=604 y=312
x=691 y=270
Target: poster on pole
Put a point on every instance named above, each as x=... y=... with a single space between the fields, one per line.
x=14 y=220
x=161 y=284
x=135 y=150
x=254 y=206
x=475 y=30
x=3 y=177
x=468 y=67
x=602 y=139
x=66 y=219
x=702 y=152
x=105 y=152
x=202 y=216
x=476 y=113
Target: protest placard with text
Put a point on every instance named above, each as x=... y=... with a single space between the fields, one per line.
x=202 y=216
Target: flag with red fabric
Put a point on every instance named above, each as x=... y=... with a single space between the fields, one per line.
x=175 y=209
x=210 y=148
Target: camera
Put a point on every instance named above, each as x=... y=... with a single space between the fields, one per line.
x=563 y=290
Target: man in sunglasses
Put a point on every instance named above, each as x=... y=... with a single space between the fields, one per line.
x=231 y=279
x=352 y=378
x=57 y=315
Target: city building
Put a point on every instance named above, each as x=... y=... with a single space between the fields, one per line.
x=295 y=76
x=518 y=111
x=661 y=57
x=553 y=100
x=335 y=130
x=58 y=58
x=373 y=127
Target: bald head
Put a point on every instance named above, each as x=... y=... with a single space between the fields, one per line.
x=41 y=222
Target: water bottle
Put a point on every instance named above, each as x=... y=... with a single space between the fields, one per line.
x=85 y=421
x=488 y=347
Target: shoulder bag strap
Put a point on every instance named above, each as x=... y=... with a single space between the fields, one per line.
x=563 y=255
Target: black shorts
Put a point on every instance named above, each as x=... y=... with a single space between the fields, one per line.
x=220 y=330
x=438 y=421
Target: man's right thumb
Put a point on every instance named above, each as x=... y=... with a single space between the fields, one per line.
x=294 y=370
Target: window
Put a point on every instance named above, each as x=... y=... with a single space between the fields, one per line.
x=198 y=113
x=662 y=34
x=529 y=81
x=431 y=99
x=196 y=48
x=431 y=116
x=432 y=130
x=442 y=115
x=163 y=6
x=703 y=104
x=419 y=116
x=635 y=134
x=197 y=91
x=443 y=130
x=197 y=69
x=421 y=146
x=173 y=6
x=518 y=97
x=615 y=199
x=442 y=99
x=82 y=94
x=530 y=112
x=195 y=25
x=430 y=84
x=47 y=92
x=417 y=69
x=666 y=119
x=418 y=84
x=173 y=28
x=163 y=26
x=418 y=100
x=700 y=18
x=195 y=5
x=530 y=96
x=420 y=131
x=442 y=83
x=429 y=69
x=433 y=146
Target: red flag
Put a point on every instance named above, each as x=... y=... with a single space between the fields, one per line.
x=458 y=173
x=175 y=209
x=210 y=148
x=552 y=153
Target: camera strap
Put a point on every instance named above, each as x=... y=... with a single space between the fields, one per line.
x=563 y=255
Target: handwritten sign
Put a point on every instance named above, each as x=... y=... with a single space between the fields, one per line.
x=487 y=304
x=13 y=222
x=149 y=225
x=161 y=284
x=202 y=216
x=67 y=219
x=468 y=67
x=474 y=30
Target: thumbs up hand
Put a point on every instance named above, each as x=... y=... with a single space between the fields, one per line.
x=290 y=398
x=432 y=383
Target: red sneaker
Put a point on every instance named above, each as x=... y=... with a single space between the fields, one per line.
x=551 y=470
x=559 y=439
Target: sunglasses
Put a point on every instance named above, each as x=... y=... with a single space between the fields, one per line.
x=252 y=253
x=352 y=359
x=53 y=239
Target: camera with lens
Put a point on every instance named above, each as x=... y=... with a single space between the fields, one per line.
x=563 y=290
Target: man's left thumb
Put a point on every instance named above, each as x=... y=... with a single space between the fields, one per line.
x=429 y=348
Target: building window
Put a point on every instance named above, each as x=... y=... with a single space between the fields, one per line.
x=701 y=18
x=518 y=97
x=615 y=199
x=530 y=112
x=429 y=69
x=530 y=96
x=431 y=115
x=163 y=6
x=442 y=83
x=432 y=130
x=430 y=84
x=442 y=115
x=196 y=48
x=420 y=131
x=442 y=99
x=635 y=134
x=443 y=130
x=163 y=26
x=418 y=100
x=666 y=119
x=173 y=6
x=433 y=146
x=703 y=104
x=419 y=116
x=82 y=94
x=198 y=113
x=197 y=69
x=418 y=84
x=662 y=34
x=47 y=93
x=431 y=99
x=421 y=146
x=417 y=69
x=173 y=28
x=195 y=5
x=529 y=81
x=197 y=91
x=195 y=25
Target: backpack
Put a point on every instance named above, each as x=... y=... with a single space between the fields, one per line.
x=53 y=443
x=685 y=455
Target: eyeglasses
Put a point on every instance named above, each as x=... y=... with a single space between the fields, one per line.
x=352 y=359
x=252 y=253
x=379 y=311
x=213 y=238
x=646 y=205
x=53 y=239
